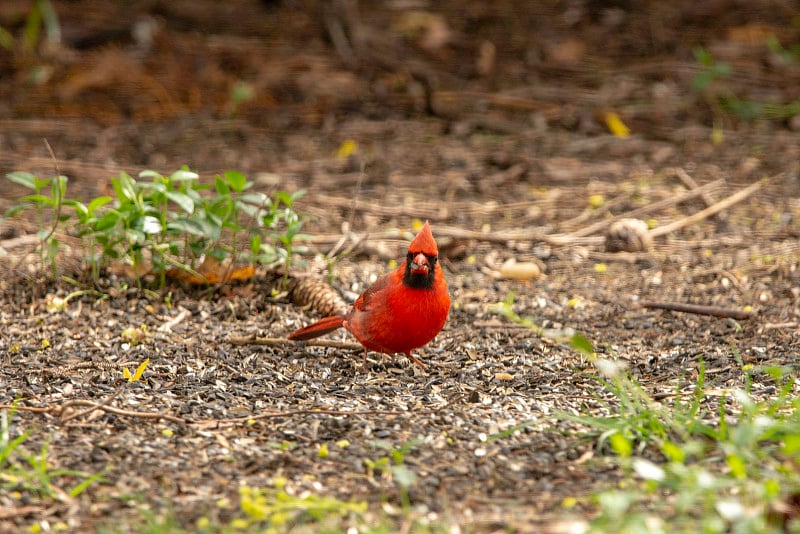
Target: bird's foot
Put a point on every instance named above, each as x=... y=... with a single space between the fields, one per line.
x=416 y=360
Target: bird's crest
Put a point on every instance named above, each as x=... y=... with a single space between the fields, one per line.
x=424 y=242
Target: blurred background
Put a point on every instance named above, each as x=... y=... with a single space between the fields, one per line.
x=276 y=87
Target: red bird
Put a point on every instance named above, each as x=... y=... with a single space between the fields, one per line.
x=402 y=310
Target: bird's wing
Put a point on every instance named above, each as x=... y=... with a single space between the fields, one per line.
x=370 y=296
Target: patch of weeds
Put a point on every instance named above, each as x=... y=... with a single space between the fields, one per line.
x=283 y=511
x=40 y=16
x=276 y=510
x=788 y=56
x=711 y=70
x=27 y=477
x=688 y=469
x=156 y=225
x=48 y=194
x=710 y=83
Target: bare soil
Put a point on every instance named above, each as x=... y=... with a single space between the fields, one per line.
x=486 y=118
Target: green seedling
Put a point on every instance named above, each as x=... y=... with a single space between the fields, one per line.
x=26 y=477
x=277 y=508
x=688 y=469
x=41 y=202
x=155 y=223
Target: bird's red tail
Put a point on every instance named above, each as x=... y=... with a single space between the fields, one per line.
x=321 y=327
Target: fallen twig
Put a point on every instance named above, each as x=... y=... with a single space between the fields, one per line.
x=700 y=309
x=583 y=237
x=282 y=341
x=711 y=210
x=788 y=324
x=68 y=416
x=120 y=411
x=167 y=327
x=59 y=409
x=700 y=191
x=20 y=511
x=689 y=182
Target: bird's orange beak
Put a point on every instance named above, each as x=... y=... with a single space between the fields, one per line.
x=420 y=264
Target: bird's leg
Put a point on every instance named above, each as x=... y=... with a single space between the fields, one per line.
x=364 y=362
x=416 y=360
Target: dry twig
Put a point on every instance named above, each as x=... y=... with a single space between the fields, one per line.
x=120 y=411
x=59 y=409
x=711 y=210
x=700 y=191
x=689 y=182
x=700 y=309
x=69 y=416
x=282 y=341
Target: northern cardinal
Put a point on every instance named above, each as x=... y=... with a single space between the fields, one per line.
x=402 y=310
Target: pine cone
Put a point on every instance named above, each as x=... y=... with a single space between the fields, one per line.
x=317 y=295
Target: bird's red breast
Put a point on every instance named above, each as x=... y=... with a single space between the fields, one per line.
x=402 y=310
x=391 y=317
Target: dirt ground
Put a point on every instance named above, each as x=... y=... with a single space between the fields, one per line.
x=490 y=119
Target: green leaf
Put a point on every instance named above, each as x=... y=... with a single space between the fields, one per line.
x=258 y=199
x=6 y=40
x=702 y=80
x=22 y=178
x=98 y=202
x=107 y=221
x=221 y=186
x=621 y=445
x=33 y=23
x=673 y=452
x=236 y=180
x=255 y=244
x=791 y=444
x=39 y=199
x=737 y=466
x=13 y=210
x=702 y=56
x=59 y=187
x=124 y=188
x=151 y=174
x=284 y=197
x=210 y=229
x=581 y=344
x=80 y=209
x=250 y=210
x=772 y=488
x=149 y=225
x=183 y=175
x=135 y=236
x=88 y=481
x=184 y=201
x=187 y=226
